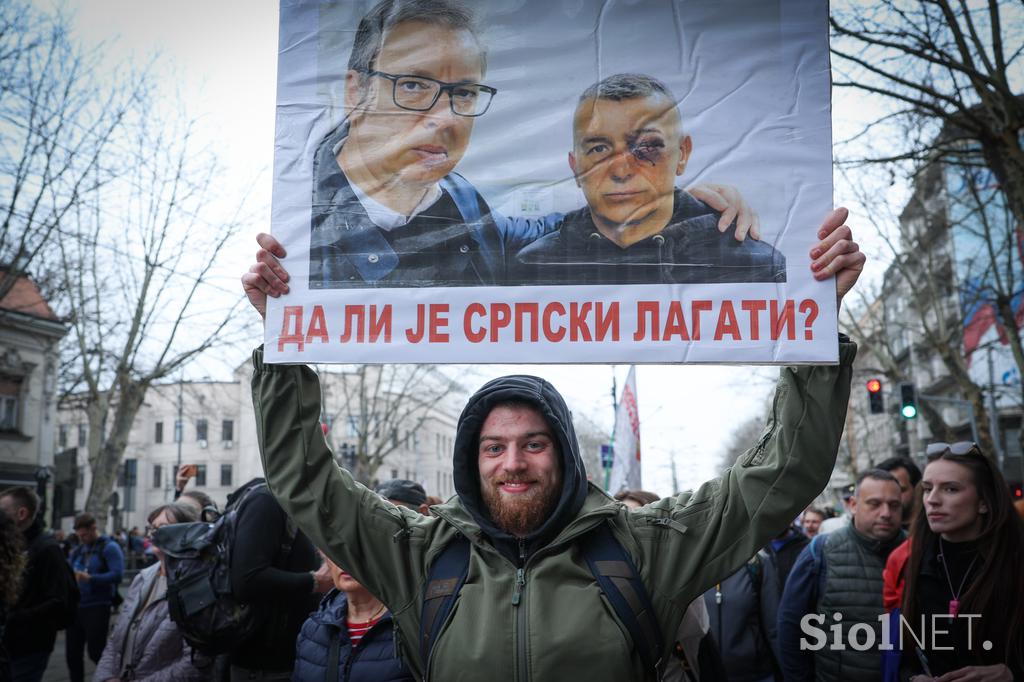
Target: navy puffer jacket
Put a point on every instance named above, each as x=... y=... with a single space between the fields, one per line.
x=373 y=660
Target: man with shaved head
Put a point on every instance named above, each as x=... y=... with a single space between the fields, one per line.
x=629 y=147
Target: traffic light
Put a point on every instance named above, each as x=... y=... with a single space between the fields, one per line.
x=875 y=399
x=908 y=401
x=1016 y=491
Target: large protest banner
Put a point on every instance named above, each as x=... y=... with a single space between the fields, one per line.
x=543 y=181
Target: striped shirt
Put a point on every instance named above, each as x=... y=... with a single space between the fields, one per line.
x=356 y=631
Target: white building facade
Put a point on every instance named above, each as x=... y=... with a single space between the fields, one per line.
x=212 y=424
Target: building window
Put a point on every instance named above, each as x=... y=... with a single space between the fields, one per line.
x=177 y=431
x=127 y=478
x=225 y=475
x=10 y=393
x=62 y=436
x=81 y=435
x=157 y=475
x=200 y=475
x=394 y=473
x=227 y=430
x=79 y=477
x=158 y=433
x=202 y=429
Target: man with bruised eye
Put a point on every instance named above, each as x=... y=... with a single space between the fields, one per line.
x=638 y=228
x=388 y=208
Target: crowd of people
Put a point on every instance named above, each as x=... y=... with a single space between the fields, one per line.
x=944 y=542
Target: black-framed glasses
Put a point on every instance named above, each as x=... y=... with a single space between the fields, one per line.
x=959 y=449
x=420 y=93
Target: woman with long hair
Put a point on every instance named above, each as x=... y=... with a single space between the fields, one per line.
x=963 y=597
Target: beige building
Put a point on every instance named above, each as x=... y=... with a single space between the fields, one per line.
x=211 y=424
x=29 y=336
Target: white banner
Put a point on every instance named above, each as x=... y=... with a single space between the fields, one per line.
x=552 y=182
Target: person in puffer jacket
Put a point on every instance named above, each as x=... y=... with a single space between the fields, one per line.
x=351 y=632
x=145 y=644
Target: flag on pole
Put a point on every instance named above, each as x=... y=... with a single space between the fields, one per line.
x=625 y=474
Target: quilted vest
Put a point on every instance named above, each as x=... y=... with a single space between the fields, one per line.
x=853 y=588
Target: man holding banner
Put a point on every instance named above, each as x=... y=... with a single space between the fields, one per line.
x=528 y=602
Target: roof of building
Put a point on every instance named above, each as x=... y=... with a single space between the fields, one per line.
x=25 y=298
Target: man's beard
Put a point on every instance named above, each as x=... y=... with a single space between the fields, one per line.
x=521 y=514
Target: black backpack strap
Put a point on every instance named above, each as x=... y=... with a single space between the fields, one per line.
x=334 y=658
x=619 y=580
x=444 y=580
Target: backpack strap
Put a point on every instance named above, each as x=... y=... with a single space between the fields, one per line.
x=444 y=580
x=334 y=659
x=619 y=580
x=464 y=195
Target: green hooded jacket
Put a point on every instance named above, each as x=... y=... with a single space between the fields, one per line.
x=530 y=608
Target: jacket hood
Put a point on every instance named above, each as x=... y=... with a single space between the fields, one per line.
x=552 y=407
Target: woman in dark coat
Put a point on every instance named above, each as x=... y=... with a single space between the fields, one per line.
x=966 y=547
x=351 y=632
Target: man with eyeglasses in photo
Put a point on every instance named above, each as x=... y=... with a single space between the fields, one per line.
x=388 y=208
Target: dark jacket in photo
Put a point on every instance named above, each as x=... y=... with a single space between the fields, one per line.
x=742 y=610
x=33 y=622
x=457 y=241
x=689 y=249
x=278 y=585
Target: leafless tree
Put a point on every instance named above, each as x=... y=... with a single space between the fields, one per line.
x=377 y=410
x=137 y=283
x=57 y=120
x=945 y=74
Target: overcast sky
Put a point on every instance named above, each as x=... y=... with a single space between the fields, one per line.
x=220 y=59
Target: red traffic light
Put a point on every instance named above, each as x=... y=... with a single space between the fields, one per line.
x=874 y=385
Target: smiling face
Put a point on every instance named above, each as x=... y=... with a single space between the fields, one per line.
x=626 y=156
x=877 y=509
x=520 y=468
x=397 y=145
x=951 y=502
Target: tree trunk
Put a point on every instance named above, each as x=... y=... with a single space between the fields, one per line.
x=110 y=451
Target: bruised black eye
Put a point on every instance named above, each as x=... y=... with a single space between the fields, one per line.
x=648 y=150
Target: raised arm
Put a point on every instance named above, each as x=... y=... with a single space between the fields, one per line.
x=705 y=535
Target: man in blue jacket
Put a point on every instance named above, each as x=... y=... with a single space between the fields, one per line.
x=98 y=563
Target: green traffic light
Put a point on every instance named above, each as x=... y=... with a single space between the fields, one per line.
x=909 y=411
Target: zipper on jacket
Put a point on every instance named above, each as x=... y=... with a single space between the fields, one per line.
x=521 y=621
x=517 y=591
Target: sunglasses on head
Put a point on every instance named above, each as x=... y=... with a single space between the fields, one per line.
x=960 y=449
